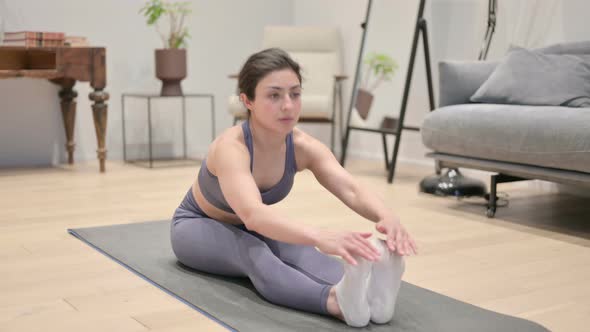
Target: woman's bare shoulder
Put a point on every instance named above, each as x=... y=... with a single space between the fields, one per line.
x=229 y=135
x=305 y=145
x=300 y=137
x=231 y=140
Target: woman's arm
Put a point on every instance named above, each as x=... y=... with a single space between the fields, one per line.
x=322 y=163
x=242 y=194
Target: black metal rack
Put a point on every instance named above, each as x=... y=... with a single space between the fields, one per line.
x=420 y=29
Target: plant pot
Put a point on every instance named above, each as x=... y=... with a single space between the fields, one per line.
x=171 y=70
x=389 y=123
x=364 y=100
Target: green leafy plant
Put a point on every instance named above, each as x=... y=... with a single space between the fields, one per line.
x=379 y=67
x=178 y=34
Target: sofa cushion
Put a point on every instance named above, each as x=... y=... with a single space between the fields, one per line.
x=548 y=136
x=532 y=78
x=578 y=47
x=459 y=80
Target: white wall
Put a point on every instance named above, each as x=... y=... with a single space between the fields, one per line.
x=224 y=33
x=456 y=29
x=575 y=24
x=390 y=31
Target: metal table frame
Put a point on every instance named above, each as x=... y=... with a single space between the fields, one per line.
x=149 y=98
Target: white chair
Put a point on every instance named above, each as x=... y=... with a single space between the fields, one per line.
x=318 y=52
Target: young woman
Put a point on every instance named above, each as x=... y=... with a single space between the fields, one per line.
x=226 y=224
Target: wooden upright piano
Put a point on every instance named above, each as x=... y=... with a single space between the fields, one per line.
x=64 y=66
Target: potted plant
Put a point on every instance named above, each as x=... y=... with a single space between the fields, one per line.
x=379 y=67
x=170 y=60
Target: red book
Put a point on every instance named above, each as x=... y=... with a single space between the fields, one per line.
x=40 y=35
x=33 y=43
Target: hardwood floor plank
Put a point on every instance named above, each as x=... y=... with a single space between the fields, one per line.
x=531 y=261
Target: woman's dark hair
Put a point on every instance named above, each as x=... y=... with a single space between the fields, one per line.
x=261 y=64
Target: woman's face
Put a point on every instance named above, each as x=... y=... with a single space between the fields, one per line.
x=277 y=101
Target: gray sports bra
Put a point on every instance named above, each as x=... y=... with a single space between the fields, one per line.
x=209 y=184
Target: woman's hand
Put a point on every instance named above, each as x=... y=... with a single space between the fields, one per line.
x=347 y=245
x=398 y=238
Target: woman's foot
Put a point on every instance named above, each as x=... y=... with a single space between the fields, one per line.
x=332 y=305
x=350 y=294
x=384 y=283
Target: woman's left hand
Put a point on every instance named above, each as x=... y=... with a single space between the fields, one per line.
x=398 y=238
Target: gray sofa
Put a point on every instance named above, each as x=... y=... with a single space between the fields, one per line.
x=517 y=142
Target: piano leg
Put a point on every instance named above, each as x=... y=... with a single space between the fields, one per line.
x=99 y=111
x=68 y=96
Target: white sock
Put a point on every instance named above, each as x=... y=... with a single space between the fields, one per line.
x=384 y=283
x=351 y=293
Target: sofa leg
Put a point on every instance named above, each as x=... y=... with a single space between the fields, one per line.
x=492 y=201
x=493 y=198
x=437 y=167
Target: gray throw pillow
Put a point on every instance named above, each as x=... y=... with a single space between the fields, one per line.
x=460 y=79
x=578 y=47
x=530 y=78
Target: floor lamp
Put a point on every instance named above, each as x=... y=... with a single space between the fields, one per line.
x=452 y=182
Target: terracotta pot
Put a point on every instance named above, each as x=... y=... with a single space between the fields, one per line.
x=389 y=123
x=171 y=70
x=364 y=100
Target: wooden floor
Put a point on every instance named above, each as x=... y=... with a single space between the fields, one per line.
x=532 y=261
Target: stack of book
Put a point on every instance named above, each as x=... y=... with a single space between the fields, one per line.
x=76 y=41
x=34 y=38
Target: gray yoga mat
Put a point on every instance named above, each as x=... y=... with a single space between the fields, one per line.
x=144 y=248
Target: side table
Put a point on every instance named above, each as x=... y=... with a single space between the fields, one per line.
x=149 y=98
x=65 y=66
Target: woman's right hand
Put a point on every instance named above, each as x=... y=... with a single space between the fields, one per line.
x=347 y=245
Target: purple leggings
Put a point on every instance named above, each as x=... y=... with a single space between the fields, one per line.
x=290 y=275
